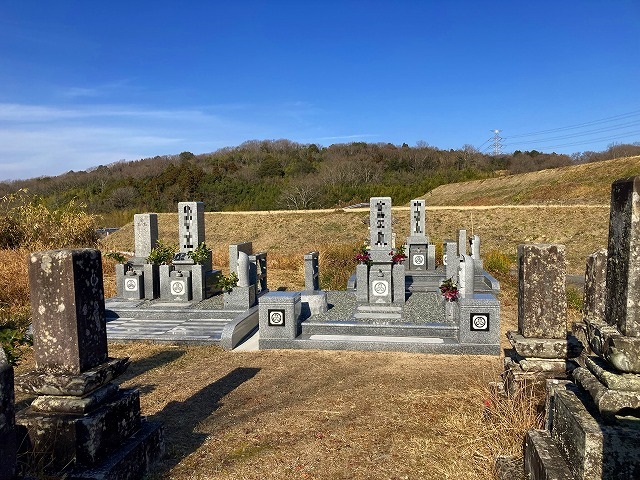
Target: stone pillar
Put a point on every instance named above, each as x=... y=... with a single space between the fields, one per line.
x=145 y=232
x=542 y=299
x=7 y=420
x=595 y=287
x=311 y=272
x=475 y=253
x=431 y=257
x=450 y=260
x=362 y=283
x=623 y=266
x=418 y=225
x=79 y=420
x=462 y=242
x=466 y=276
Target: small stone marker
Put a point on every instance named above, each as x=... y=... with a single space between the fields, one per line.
x=450 y=260
x=67 y=304
x=542 y=301
x=7 y=420
x=462 y=242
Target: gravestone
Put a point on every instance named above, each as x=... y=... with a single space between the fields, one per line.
x=190 y=225
x=137 y=278
x=466 y=276
x=385 y=280
x=542 y=304
x=145 y=227
x=244 y=295
x=79 y=422
x=8 y=447
x=417 y=245
x=541 y=347
x=623 y=267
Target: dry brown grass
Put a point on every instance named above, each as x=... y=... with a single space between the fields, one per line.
x=14 y=286
x=580 y=184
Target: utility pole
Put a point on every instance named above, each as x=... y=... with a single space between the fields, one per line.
x=497 y=146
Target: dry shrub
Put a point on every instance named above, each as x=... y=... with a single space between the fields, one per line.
x=14 y=288
x=336 y=264
x=498 y=263
x=506 y=419
x=29 y=223
x=280 y=261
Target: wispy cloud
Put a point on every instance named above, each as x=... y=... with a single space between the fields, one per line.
x=38 y=140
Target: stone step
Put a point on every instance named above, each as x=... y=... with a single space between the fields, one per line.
x=542 y=458
x=194 y=330
x=340 y=327
x=390 y=309
x=377 y=343
x=166 y=314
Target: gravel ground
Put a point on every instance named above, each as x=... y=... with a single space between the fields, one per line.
x=420 y=308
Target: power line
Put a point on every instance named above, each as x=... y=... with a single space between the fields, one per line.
x=635 y=113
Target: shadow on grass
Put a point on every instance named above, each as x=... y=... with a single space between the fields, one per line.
x=138 y=367
x=180 y=419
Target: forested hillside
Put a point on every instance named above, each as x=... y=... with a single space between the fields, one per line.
x=280 y=174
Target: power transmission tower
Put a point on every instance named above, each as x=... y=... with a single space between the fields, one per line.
x=497 y=146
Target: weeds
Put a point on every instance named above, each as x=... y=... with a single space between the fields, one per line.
x=26 y=222
x=336 y=265
x=498 y=263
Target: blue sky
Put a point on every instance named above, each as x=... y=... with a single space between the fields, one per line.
x=90 y=83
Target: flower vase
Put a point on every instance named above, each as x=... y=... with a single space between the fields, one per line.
x=451 y=310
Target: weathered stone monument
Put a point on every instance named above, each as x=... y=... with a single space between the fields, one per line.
x=542 y=347
x=593 y=423
x=7 y=420
x=81 y=425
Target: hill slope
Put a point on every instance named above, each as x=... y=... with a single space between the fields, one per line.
x=587 y=184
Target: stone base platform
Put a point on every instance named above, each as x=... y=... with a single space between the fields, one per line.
x=417 y=326
x=206 y=322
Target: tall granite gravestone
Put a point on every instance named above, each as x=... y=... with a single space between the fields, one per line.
x=541 y=347
x=7 y=420
x=80 y=424
x=420 y=254
x=185 y=280
x=384 y=282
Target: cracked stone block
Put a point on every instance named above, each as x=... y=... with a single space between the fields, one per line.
x=551 y=348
